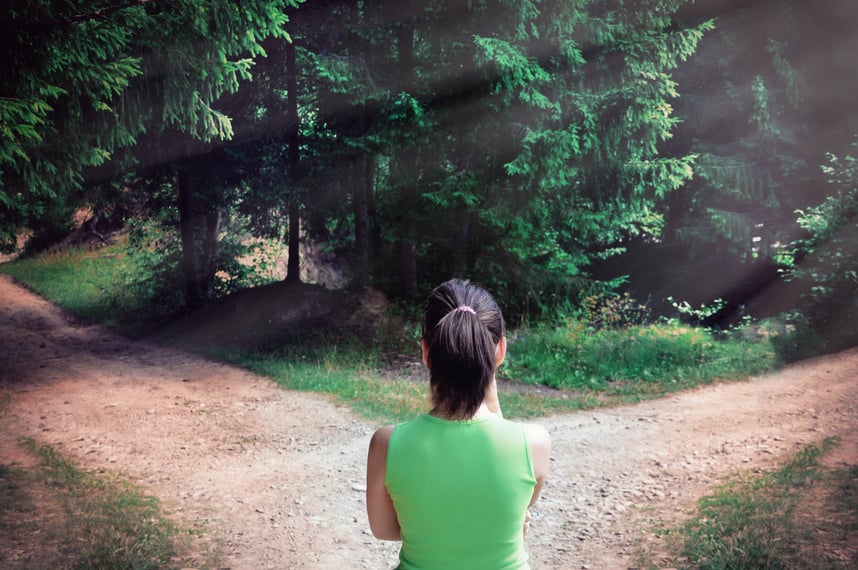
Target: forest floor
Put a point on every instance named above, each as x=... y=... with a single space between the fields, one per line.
x=277 y=477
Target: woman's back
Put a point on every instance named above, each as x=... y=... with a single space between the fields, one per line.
x=455 y=485
x=461 y=491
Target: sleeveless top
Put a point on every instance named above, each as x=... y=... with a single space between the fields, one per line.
x=461 y=491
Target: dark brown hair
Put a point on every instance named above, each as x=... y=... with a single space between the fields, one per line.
x=462 y=326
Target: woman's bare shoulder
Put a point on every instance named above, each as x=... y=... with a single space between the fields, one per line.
x=381 y=437
x=537 y=434
x=540 y=449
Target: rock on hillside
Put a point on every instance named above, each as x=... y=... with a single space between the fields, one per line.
x=262 y=316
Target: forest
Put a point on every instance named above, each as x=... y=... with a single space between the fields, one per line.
x=692 y=156
x=660 y=194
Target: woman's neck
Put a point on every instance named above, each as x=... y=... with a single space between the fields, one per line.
x=482 y=412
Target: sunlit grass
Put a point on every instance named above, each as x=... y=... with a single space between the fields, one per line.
x=347 y=375
x=383 y=395
x=640 y=360
x=96 y=285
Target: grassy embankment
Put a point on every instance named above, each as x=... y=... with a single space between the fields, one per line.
x=578 y=367
x=54 y=515
x=802 y=516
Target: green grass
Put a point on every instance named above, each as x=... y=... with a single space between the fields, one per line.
x=345 y=373
x=96 y=285
x=638 y=361
x=803 y=516
x=354 y=377
x=59 y=516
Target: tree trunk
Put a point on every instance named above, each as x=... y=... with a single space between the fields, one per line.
x=460 y=240
x=361 y=210
x=462 y=213
x=406 y=159
x=190 y=272
x=293 y=268
x=213 y=224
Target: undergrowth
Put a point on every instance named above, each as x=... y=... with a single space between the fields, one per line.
x=651 y=358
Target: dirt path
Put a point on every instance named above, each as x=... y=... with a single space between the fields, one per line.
x=279 y=475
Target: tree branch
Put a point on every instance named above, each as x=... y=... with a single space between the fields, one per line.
x=97 y=14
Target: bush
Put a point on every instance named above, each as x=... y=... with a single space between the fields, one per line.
x=825 y=265
x=669 y=356
x=608 y=310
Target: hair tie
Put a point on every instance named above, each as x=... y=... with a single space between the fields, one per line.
x=465 y=309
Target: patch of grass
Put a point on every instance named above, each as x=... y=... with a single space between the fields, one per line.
x=356 y=379
x=632 y=362
x=100 y=286
x=802 y=516
x=345 y=373
x=55 y=515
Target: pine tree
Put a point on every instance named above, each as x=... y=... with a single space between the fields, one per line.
x=514 y=142
x=141 y=77
x=64 y=68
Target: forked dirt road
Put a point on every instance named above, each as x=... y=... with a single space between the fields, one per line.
x=278 y=476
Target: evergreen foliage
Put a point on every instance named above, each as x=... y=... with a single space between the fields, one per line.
x=520 y=143
x=63 y=68
x=524 y=141
x=824 y=264
x=84 y=80
x=749 y=107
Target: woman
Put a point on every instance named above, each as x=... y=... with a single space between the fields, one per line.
x=455 y=485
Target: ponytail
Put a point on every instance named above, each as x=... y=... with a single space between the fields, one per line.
x=462 y=327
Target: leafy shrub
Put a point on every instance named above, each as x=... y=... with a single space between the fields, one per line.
x=824 y=265
x=154 y=261
x=610 y=310
x=669 y=356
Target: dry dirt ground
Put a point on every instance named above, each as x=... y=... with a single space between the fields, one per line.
x=278 y=476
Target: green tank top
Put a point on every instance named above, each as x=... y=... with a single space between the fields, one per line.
x=461 y=491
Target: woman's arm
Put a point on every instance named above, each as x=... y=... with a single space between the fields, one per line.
x=540 y=454
x=383 y=521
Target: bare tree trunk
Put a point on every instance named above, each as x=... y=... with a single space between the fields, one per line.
x=361 y=210
x=213 y=224
x=406 y=159
x=190 y=272
x=293 y=268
